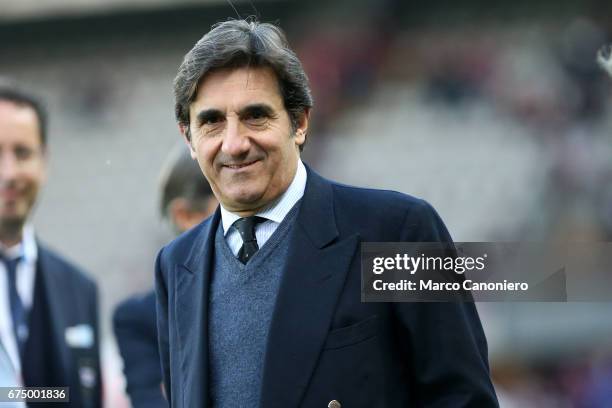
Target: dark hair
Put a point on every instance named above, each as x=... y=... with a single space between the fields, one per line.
x=237 y=44
x=12 y=93
x=182 y=178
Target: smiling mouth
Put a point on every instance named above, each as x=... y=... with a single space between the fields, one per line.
x=241 y=165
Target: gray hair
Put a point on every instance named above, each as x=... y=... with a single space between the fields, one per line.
x=237 y=44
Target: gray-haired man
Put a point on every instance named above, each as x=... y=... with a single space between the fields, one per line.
x=260 y=304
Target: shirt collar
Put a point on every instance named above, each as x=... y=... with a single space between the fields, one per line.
x=283 y=205
x=27 y=248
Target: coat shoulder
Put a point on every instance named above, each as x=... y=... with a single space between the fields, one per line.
x=63 y=268
x=384 y=203
x=135 y=309
x=385 y=215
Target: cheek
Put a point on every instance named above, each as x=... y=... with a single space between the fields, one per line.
x=204 y=146
x=205 y=153
x=34 y=178
x=42 y=176
x=207 y=171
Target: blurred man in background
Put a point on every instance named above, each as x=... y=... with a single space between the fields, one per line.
x=260 y=305
x=48 y=307
x=186 y=199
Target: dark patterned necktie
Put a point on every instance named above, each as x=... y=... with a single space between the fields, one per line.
x=18 y=312
x=246 y=229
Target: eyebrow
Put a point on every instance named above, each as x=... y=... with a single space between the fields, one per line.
x=256 y=107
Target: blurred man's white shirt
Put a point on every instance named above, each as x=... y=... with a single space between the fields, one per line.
x=8 y=377
x=26 y=271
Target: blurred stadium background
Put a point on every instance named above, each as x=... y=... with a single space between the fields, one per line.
x=496 y=114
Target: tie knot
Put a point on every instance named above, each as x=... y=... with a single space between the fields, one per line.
x=10 y=263
x=246 y=227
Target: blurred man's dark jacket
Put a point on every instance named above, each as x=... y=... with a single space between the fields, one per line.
x=135 y=327
x=63 y=343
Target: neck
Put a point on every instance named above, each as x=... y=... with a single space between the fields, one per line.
x=11 y=233
x=255 y=210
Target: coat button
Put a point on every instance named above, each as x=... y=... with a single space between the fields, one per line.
x=334 y=404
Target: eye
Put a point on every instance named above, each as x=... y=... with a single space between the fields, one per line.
x=256 y=116
x=212 y=120
x=23 y=153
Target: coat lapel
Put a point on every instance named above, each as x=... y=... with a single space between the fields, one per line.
x=312 y=280
x=54 y=288
x=191 y=315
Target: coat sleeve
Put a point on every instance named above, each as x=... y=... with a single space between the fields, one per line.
x=161 y=290
x=135 y=326
x=445 y=348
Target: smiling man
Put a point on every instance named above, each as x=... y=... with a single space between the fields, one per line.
x=48 y=308
x=260 y=304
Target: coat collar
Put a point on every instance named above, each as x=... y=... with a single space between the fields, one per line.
x=318 y=204
x=314 y=275
x=192 y=299
x=54 y=286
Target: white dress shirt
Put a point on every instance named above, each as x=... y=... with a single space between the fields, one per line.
x=274 y=214
x=25 y=275
x=8 y=377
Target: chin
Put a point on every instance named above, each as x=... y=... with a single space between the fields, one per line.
x=243 y=197
x=9 y=220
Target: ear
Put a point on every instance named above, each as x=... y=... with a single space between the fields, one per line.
x=302 y=127
x=184 y=130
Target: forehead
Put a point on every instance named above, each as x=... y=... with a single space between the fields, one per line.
x=18 y=123
x=231 y=88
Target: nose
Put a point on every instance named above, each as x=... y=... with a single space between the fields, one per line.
x=236 y=141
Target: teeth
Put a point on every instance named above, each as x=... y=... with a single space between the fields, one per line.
x=238 y=166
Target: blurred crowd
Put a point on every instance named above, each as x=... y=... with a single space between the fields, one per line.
x=539 y=80
x=578 y=381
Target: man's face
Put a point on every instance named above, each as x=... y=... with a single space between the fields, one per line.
x=22 y=162
x=241 y=136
